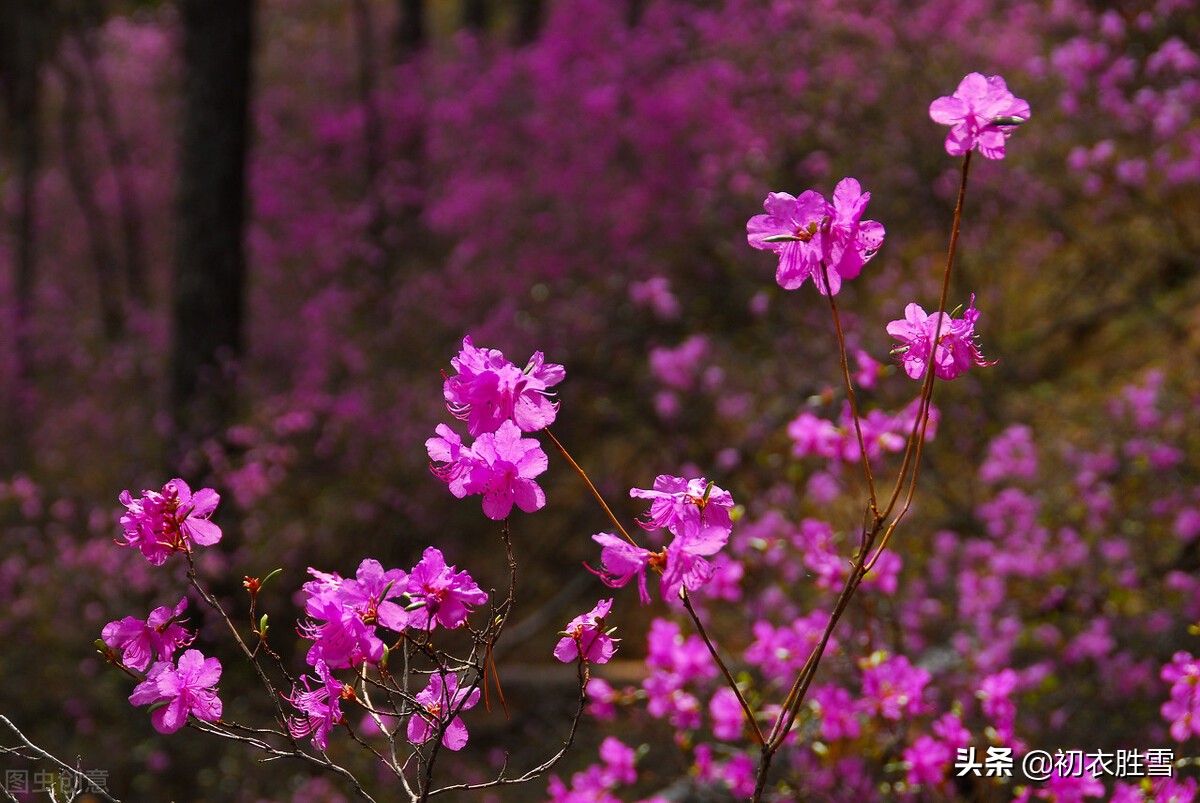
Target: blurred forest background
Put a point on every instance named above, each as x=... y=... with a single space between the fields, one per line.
x=240 y=240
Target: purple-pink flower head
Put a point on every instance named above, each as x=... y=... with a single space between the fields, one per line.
x=340 y=636
x=441 y=702
x=676 y=503
x=447 y=594
x=488 y=390
x=457 y=460
x=686 y=564
x=159 y=523
x=370 y=593
x=850 y=241
x=504 y=470
x=187 y=689
x=826 y=241
x=620 y=562
x=586 y=637
x=956 y=347
x=981 y=113
x=154 y=639
x=320 y=707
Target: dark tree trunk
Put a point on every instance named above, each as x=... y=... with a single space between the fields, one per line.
x=476 y=15
x=90 y=17
x=410 y=31
x=23 y=44
x=210 y=268
x=529 y=21
x=372 y=143
x=633 y=12
x=83 y=184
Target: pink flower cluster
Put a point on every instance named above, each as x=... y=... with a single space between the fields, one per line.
x=1182 y=710
x=827 y=241
x=696 y=513
x=345 y=617
x=955 y=350
x=186 y=689
x=162 y=522
x=586 y=637
x=498 y=401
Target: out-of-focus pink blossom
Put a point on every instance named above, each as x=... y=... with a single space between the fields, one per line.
x=982 y=114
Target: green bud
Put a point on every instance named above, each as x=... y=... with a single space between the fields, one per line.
x=263 y=626
x=782 y=238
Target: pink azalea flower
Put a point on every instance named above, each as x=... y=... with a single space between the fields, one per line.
x=894 y=687
x=371 y=592
x=340 y=636
x=956 y=347
x=154 y=639
x=320 y=708
x=187 y=689
x=442 y=700
x=677 y=503
x=159 y=523
x=448 y=594
x=620 y=562
x=457 y=460
x=809 y=233
x=850 y=241
x=504 y=471
x=586 y=638
x=488 y=390
x=789 y=216
x=727 y=715
x=1183 y=709
x=981 y=115
x=686 y=564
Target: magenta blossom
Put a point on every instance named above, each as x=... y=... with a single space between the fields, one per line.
x=814 y=238
x=371 y=592
x=586 y=638
x=1183 y=709
x=489 y=390
x=686 y=564
x=187 y=689
x=154 y=639
x=796 y=222
x=677 y=503
x=441 y=702
x=346 y=612
x=504 y=470
x=956 y=347
x=340 y=636
x=447 y=594
x=981 y=113
x=159 y=523
x=620 y=562
x=320 y=708
x=457 y=460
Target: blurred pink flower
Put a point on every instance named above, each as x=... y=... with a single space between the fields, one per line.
x=977 y=113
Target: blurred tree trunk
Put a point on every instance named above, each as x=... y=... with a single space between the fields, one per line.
x=529 y=21
x=210 y=269
x=633 y=12
x=372 y=143
x=409 y=34
x=23 y=45
x=476 y=14
x=89 y=18
x=77 y=159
